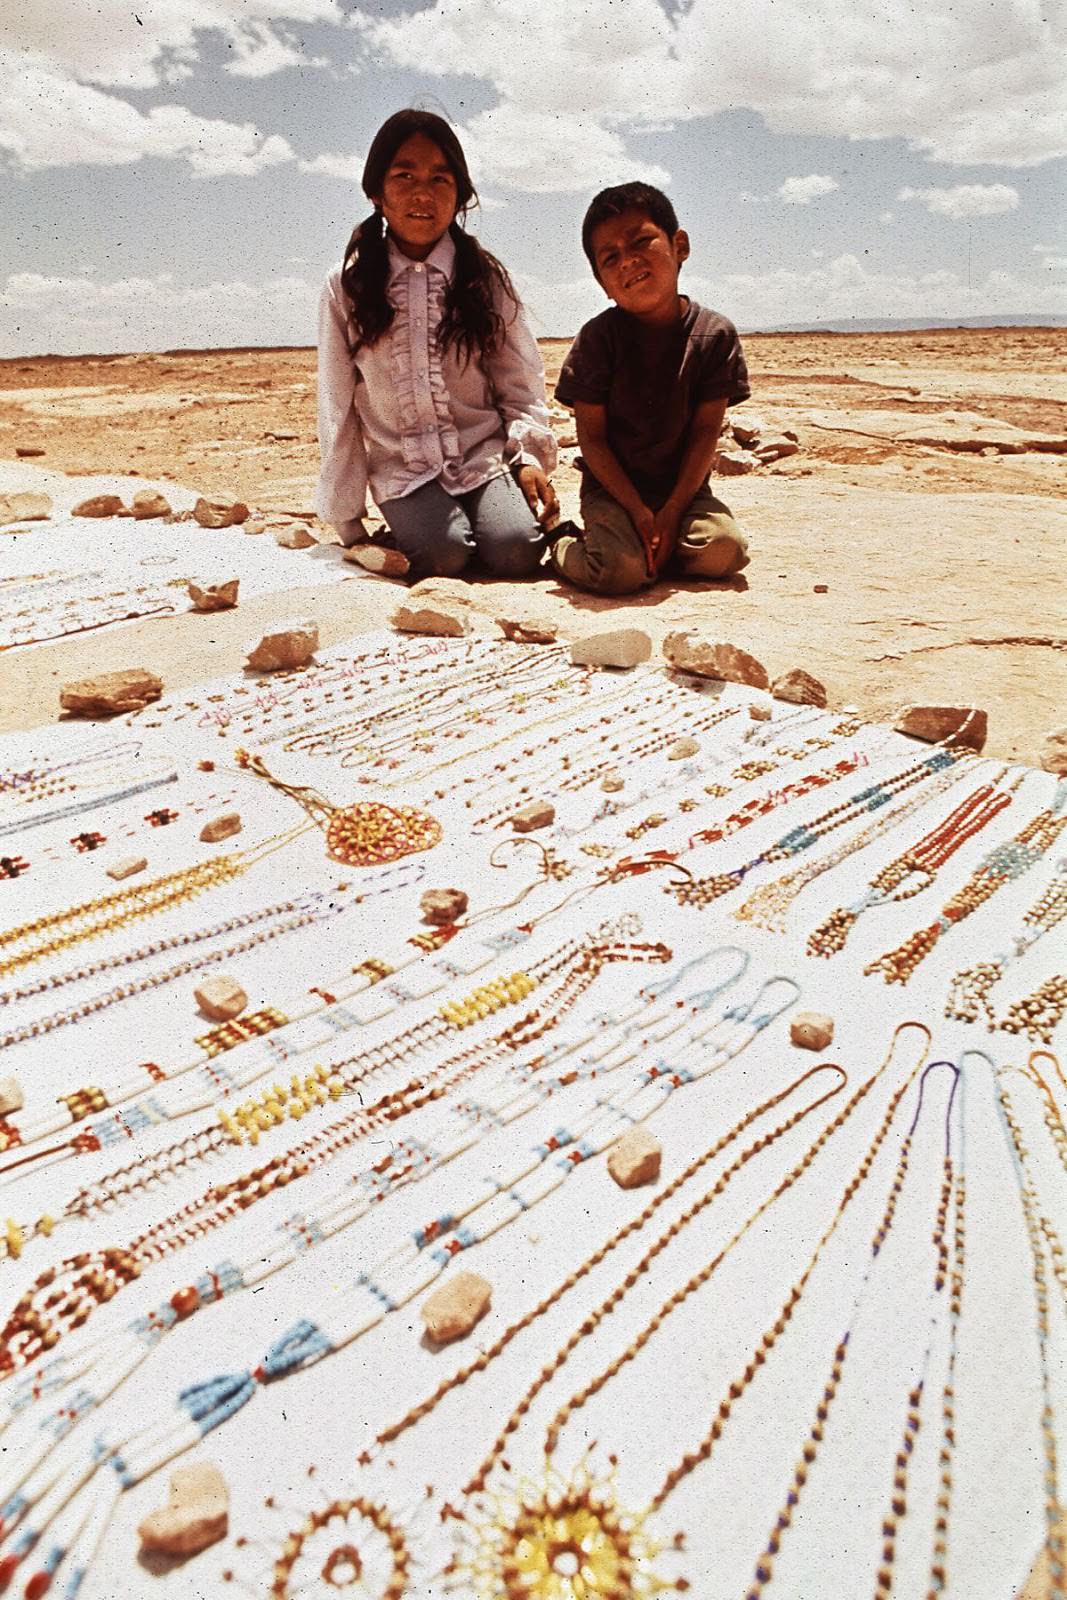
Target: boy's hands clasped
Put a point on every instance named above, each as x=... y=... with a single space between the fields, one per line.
x=658 y=532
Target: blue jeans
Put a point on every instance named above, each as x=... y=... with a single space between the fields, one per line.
x=440 y=533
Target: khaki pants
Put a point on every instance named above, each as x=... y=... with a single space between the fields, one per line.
x=609 y=557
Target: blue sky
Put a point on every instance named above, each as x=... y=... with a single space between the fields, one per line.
x=184 y=172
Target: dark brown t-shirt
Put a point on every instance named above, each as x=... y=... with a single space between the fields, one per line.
x=652 y=380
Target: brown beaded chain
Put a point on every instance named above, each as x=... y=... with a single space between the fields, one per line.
x=969 y=989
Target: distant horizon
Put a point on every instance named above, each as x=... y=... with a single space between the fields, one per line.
x=840 y=327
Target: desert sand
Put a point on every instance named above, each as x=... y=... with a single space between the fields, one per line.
x=926 y=501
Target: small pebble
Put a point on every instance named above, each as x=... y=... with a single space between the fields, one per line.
x=811 y=1030
x=611 y=782
x=220 y=998
x=443 y=906
x=10 y=1096
x=454 y=1309
x=682 y=748
x=221 y=827
x=197 y=1513
x=635 y=1158
x=127 y=867
x=759 y=712
x=538 y=814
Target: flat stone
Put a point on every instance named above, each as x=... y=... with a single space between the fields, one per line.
x=219 y=513
x=25 y=506
x=10 y=1096
x=220 y=998
x=621 y=647
x=456 y=1307
x=432 y=619
x=776 y=449
x=222 y=827
x=281 y=435
x=294 y=536
x=612 y=782
x=196 y=1515
x=811 y=1030
x=442 y=906
x=111 y=693
x=957 y=725
x=149 y=503
x=127 y=867
x=213 y=596
x=291 y=644
x=99 y=505
x=734 y=463
x=799 y=688
x=748 y=431
x=688 y=652
x=635 y=1158
x=379 y=559
x=1054 y=752
x=527 y=630
x=26 y=451
x=538 y=814
x=682 y=748
x=255 y=527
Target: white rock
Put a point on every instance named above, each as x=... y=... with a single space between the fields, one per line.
x=746 y=432
x=222 y=827
x=213 y=596
x=707 y=658
x=1054 y=751
x=527 y=630
x=759 y=712
x=291 y=644
x=682 y=748
x=432 y=619
x=294 y=536
x=197 y=1513
x=959 y=725
x=221 y=998
x=379 y=559
x=799 y=688
x=776 y=450
x=811 y=1030
x=538 y=814
x=635 y=1158
x=127 y=867
x=734 y=463
x=111 y=693
x=456 y=1307
x=442 y=906
x=612 y=782
x=10 y=1096
x=622 y=647
x=25 y=506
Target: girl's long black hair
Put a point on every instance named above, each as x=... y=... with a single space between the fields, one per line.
x=471 y=323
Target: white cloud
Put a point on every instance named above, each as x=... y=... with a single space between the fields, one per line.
x=802 y=191
x=47 y=120
x=966 y=200
x=543 y=152
x=117 y=44
x=40 y=313
x=348 y=168
x=961 y=86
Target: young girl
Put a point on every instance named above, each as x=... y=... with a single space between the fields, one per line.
x=431 y=386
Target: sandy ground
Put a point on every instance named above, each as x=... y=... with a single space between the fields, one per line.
x=927 y=497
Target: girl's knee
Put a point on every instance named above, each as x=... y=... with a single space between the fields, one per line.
x=512 y=555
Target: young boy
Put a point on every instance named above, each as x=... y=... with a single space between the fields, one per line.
x=649 y=381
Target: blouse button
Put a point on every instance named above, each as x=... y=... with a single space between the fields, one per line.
x=418 y=266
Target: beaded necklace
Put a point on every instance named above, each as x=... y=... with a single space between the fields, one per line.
x=969 y=989
x=317 y=906
x=914 y=869
x=764 y=1567
x=1047 y=1257
x=58 y=1485
x=1003 y=864
x=361 y=835
x=702 y=891
x=391 y=1432
x=768 y=905
x=503 y=1097
x=494 y=1525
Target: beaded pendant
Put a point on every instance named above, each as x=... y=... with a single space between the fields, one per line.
x=367 y=834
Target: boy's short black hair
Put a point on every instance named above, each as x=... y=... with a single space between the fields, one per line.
x=626 y=197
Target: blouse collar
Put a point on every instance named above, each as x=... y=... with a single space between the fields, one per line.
x=442 y=257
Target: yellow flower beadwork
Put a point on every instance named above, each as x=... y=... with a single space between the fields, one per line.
x=490 y=997
x=277 y=1105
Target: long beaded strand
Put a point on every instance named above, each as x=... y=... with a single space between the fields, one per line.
x=1003 y=864
x=701 y=891
x=914 y=869
x=767 y=906
x=1038 y=1240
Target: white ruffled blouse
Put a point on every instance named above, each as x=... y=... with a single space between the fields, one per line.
x=399 y=413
